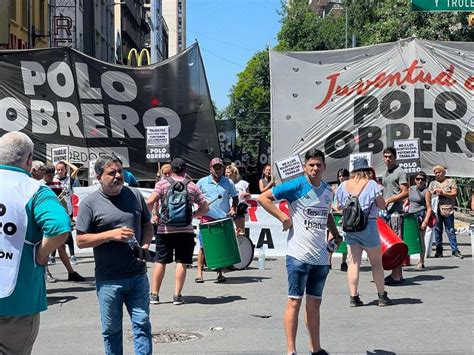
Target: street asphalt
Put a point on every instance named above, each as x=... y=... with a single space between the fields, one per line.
x=433 y=312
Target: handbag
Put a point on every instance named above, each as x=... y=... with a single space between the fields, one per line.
x=446 y=210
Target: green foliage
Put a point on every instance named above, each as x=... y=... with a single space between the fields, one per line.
x=371 y=21
x=250 y=102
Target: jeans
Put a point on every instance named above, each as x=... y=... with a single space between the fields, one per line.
x=134 y=293
x=449 y=224
x=303 y=276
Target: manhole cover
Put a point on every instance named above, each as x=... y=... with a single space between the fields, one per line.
x=174 y=337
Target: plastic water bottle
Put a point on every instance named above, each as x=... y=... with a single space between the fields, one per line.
x=132 y=242
x=261 y=258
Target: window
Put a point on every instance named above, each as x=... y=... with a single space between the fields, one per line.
x=13 y=12
x=24 y=13
x=42 y=24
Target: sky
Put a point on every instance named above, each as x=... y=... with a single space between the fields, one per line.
x=229 y=32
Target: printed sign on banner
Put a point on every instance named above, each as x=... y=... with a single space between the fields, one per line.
x=158 y=144
x=289 y=167
x=408 y=155
x=353 y=157
x=92 y=175
x=59 y=154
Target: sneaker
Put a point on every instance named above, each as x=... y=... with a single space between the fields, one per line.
x=178 y=299
x=457 y=254
x=438 y=254
x=51 y=260
x=356 y=301
x=154 y=298
x=74 y=260
x=74 y=276
x=50 y=279
x=344 y=266
x=320 y=352
x=384 y=300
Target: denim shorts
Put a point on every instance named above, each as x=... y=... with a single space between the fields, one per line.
x=303 y=276
x=368 y=238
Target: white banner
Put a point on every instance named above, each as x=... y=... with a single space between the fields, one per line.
x=362 y=99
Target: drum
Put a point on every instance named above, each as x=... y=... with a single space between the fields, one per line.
x=411 y=233
x=219 y=243
x=246 y=250
x=342 y=248
x=394 y=250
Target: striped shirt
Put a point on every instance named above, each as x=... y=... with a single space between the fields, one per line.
x=195 y=196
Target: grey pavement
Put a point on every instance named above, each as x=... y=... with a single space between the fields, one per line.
x=433 y=312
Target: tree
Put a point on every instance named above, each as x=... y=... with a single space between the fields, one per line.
x=250 y=102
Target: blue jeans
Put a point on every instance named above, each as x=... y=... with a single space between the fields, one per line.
x=448 y=222
x=134 y=293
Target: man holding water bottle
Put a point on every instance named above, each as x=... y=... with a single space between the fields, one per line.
x=112 y=220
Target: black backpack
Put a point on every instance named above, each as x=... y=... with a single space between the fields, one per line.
x=176 y=207
x=354 y=218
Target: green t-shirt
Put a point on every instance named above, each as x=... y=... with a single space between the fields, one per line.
x=48 y=218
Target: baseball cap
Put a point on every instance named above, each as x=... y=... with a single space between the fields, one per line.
x=216 y=161
x=178 y=164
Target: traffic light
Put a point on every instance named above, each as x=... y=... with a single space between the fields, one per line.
x=470 y=20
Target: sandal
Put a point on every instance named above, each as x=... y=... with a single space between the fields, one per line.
x=199 y=280
x=221 y=278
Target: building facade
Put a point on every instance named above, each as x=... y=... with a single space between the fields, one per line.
x=174 y=12
x=24 y=30
x=157 y=40
x=326 y=7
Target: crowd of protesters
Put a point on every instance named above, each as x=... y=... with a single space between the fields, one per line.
x=119 y=224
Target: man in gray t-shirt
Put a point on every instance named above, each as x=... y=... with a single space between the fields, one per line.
x=395 y=185
x=113 y=220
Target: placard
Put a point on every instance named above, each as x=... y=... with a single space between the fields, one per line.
x=59 y=154
x=158 y=144
x=289 y=167
x=408 y=155
x=353 y=157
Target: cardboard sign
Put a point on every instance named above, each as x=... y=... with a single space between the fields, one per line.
x=408 y=155
x=59 y=154
x=353 y=157
x=158 y=144
x=289 y=167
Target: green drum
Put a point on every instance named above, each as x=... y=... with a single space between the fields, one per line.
x=411 y=233
x=219 y=243
x=342 y=248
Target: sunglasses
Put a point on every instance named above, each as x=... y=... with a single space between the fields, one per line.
x=420 y=179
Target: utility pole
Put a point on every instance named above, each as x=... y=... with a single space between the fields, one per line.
x=28 y=23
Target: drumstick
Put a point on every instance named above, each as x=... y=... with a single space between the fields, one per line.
x=217 y=198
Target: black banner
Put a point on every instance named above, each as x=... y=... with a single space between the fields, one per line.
x=61 y=97
x=227 y=136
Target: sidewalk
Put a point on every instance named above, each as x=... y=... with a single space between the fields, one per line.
x=433 y=313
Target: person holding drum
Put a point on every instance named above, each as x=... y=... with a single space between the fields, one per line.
x=370 y=198
x=169 y=239
x=419 y=204
x=218 y=191
x=446 y=190
x=395 y=183
x=242 y=187
x=307 y=259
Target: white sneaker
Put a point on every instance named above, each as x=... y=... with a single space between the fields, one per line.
x=74 y=260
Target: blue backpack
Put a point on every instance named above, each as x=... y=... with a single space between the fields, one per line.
x=176 y=207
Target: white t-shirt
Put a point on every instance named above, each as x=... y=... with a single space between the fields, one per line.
x=241 y=188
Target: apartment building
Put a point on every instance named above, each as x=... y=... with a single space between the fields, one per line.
x=174 y=12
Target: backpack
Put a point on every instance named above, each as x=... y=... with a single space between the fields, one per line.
x=176 y=207
x=354 y=218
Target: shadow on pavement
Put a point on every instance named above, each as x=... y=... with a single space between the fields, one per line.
x=215 y=300
x=431 y=268
x=70 y=289
x=60 y=299
x=380 y=352
x=245 y=279
x=396 y=301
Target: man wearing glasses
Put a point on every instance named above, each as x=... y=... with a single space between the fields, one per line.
x=395 y=191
